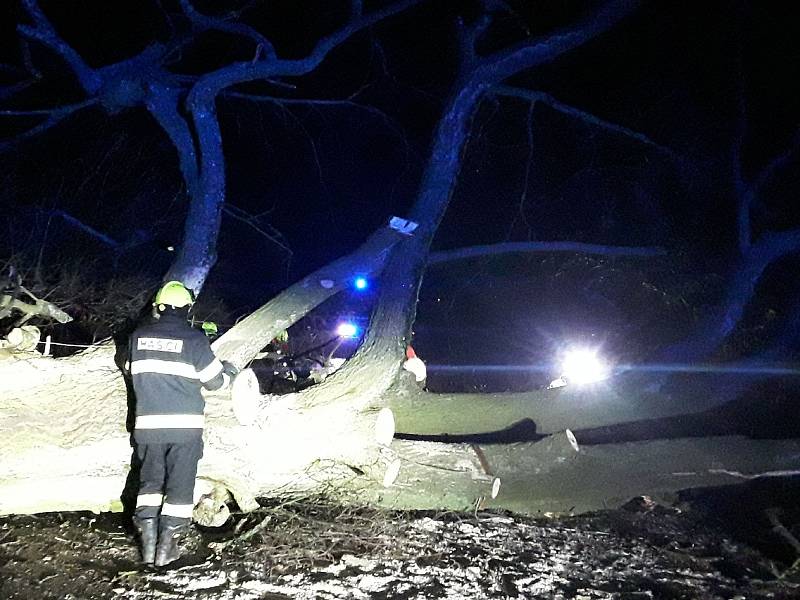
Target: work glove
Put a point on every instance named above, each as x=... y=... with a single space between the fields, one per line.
x=210 y=328
x=229 y=368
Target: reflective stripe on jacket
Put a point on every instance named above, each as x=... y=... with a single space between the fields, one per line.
x=170 y=362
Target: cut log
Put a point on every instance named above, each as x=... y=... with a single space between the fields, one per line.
x=65 y=445
x=22 y=339
x=536 y=479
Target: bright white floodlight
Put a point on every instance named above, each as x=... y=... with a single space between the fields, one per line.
x=583 y=366
x=347 y=330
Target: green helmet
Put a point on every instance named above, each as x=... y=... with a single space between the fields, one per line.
x=175 y=294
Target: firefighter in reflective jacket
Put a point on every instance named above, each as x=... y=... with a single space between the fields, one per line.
x=170 y=362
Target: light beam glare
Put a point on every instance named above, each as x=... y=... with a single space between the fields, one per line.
x=581 y=366
x=654 y=368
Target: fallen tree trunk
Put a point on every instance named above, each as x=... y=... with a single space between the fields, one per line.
x=65 y=444
x=618 y=400
x=74 y=454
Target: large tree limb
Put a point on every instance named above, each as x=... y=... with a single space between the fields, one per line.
x=622 y=399
x=527 y=54
x=210 y=85
x=198 y=252
x=377 y=361
x=53 y=461
x=45 y=33
x=162 y=102
x=243 y=341
x=551 y=477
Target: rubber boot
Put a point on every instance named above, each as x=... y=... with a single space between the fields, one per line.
x=168 y=535
x=148 y=534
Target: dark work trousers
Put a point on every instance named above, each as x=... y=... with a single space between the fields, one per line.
x=166 y=481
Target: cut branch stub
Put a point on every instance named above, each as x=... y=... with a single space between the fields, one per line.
x=384 y=427
x=560 y=446
x=392 y=472
x=245 y=397
x=495 y=487
x=572 y=441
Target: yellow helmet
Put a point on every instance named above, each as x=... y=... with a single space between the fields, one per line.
x=174 y=294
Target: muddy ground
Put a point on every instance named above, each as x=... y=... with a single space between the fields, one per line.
x=714 y=544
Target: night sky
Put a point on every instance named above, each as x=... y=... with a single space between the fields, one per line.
x=688 y=77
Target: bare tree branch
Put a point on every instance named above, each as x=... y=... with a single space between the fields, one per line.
x=45 y=33
x=740 y=290
x=162 y=102
x=204 y=22
x=530 y=53
x=468 y=36
x=88 y=229
x=13 y=70
x=523 y=196
x=444 y=256
x=212 y=83
x=266 y=230
x=748 y=192
x=776 y=165
x=582 y=115
x=343 y=103
x=54 y=116
x=10 y=90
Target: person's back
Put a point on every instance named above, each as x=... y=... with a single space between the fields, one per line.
x=170 y=362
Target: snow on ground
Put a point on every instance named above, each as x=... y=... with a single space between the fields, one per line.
x=641 y=552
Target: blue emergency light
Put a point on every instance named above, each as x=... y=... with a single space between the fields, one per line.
x=347 y=330
x=361 y=283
